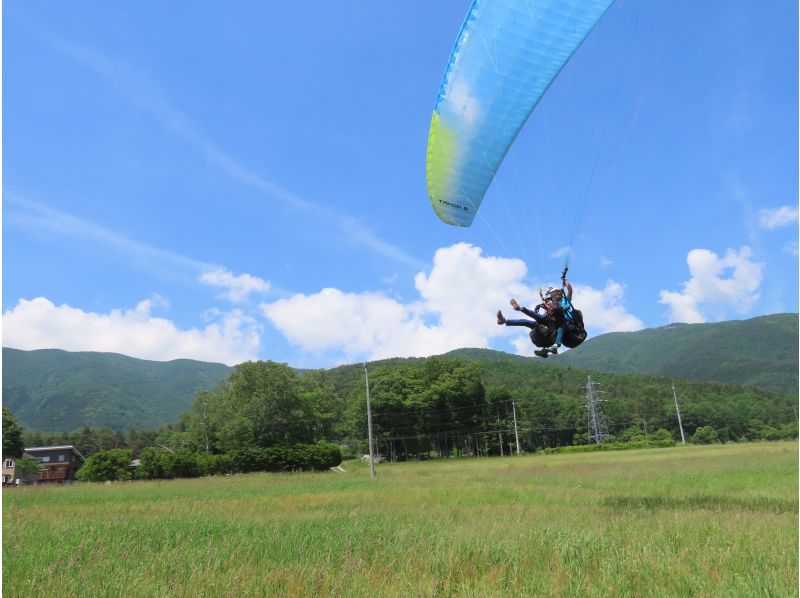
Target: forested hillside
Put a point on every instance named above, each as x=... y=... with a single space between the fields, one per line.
x=54 y=390
x=550 y=401
x=760 y=352
x=448 y=406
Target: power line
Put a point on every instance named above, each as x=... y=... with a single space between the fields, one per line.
x=415 y=410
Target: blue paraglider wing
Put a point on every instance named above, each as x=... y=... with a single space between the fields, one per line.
x=506 y=56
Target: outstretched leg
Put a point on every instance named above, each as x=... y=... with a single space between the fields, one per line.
x=528 y=312
x=533 y=314
x=527 y=323
x=501 y=320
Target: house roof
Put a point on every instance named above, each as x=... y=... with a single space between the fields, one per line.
x=41 y=449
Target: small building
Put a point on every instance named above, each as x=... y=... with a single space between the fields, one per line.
x=9 y=465
x=59 y=463
x=12 y=474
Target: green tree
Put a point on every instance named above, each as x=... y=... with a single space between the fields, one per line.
x=788 y=431
x=31 y=439
x=153 y=464
x=632 y=434
x=138 y=440
x=108 y=439
x=184 y=464
x=704 y=435
x=106 y=466
x=27 y=469
x=85 y=440
x=259 y=406
x=200 y=424
x=12 y=436
x=661 y=434
x=324 y=408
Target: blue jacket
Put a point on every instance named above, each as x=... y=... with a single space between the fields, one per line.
x=565 y=308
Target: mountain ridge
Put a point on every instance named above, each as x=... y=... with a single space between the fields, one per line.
x=47 y=387
x=760 y=352
x=56 y=390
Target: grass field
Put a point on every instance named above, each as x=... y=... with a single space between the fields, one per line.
x=717 y=520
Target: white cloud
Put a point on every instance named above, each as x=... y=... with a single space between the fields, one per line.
x=683 y=307
x=791 y=248
x=456 y=306
x=716 y=284
x=355 y=324
x=461 y=284
x=238 y=288
x=605 y=262
x=560 y=252
x=523 y=345
x=39 y=324
x=603 y=309
x=772 y=218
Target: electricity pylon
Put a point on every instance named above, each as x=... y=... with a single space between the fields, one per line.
x=598 y=429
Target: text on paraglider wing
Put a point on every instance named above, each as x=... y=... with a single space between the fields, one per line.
x=454 y=205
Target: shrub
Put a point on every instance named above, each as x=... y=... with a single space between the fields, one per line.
x=183 y=463
x=632 y=434
x=150 y=467
x=704 y=435
x=788 y=431
x=106 y=466
x=662 y=434
x=27 y=469
x=214 y=464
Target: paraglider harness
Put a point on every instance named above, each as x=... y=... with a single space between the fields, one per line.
x=559 y=312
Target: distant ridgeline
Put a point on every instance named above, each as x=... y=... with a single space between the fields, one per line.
x=58 y=391
x=54 y=390
x=761 y=352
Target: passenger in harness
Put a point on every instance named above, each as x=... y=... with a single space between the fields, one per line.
x=551 y=320
x=563 y=315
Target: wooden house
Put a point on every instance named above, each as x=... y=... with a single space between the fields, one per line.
x=59 y=463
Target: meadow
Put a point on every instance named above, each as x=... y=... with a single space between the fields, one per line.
x=699 y=520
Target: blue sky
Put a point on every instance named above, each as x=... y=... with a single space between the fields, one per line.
x=249 y=182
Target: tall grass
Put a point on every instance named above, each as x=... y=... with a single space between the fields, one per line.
x=712 y=521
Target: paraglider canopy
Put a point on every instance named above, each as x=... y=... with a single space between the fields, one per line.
x=506 y=55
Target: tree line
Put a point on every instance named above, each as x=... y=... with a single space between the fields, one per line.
x=164 y=464
x=440 y=407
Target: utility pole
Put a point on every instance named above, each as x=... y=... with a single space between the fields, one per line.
x=516 y=430
x=644 y=421
x=678 y=411
x=500 y=435
x=369 y=426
